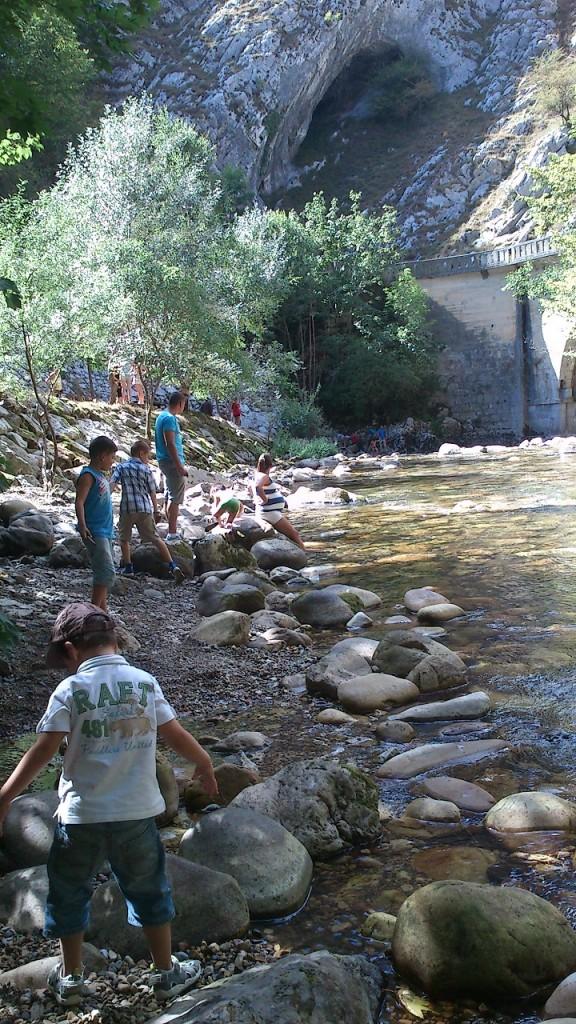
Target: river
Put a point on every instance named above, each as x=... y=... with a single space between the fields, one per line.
x=497 y=535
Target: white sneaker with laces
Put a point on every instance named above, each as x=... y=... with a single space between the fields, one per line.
x=67 y=989
x=169 y=984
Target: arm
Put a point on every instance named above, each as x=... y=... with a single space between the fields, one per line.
x=184 y=744
x=83 y=486
x=31 y=764
x=169 y=437
x=259 y=488
x=152 y=493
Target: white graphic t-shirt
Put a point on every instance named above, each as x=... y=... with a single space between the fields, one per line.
x=111 y=712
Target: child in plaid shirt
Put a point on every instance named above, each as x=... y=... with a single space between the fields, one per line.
x=139 y=508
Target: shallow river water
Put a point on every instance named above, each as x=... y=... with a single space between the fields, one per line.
x=496 y=535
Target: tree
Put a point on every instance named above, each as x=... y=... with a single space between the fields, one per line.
x=553 y=79
x=48 y=56
x=553 y=208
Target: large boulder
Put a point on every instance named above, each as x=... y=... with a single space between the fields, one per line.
x=326 y=805
x=367 y=693
x=311 y=988
x=466 y=940
x=29 y=533
x=271 y=866
x=209 y=905
x=227 y=629
x=29 y=829
x=146 y=558
x=215 y=552
x=322 y=609
x=470 y=705
x=532 y=812
x=324 y=678
x=270 y=554
x=23 y=898
x=12 y=507
x=220 y=596
x=428 y=664
x=69 y=553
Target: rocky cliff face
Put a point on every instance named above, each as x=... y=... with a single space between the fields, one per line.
x=251 y=73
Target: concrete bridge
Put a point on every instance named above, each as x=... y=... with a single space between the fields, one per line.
x=506 y=364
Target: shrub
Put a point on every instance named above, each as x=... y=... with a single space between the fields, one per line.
x=402 y=87
x=301 y=417
x=286 y=446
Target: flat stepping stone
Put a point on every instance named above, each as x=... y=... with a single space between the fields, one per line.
x=434 y=755
x=333 y=716
x=470 y=705
x=466 y=795
x=422 y=597
x=466 y=728
x=425 y=808
x=467 y=864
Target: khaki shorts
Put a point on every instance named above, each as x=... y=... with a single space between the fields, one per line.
x=144 y=523
x=175 y=484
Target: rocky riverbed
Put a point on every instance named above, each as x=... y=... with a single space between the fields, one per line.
x=382 y=798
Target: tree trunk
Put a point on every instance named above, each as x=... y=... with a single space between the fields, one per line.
x=90 y=379
x=43 y=414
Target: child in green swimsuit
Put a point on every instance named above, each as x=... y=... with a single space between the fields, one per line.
x=225 y=504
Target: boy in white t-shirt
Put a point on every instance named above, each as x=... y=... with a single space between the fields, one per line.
x=109 y=796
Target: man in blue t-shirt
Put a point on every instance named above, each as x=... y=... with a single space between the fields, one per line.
x=170 y=455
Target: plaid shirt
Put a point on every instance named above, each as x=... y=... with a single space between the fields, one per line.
x=137 y=480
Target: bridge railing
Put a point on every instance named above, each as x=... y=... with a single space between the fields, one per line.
x=475 y=262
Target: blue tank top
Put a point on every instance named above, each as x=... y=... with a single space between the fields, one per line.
x=98 y=504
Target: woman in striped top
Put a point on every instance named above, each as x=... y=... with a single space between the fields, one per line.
x=270 y=503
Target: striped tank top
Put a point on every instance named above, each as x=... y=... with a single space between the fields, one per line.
x=274 y=500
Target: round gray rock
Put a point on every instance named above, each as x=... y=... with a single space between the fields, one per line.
x=321 y=608
x=216 y=596
x=271 y=866
x=209 y=905
x=372 y=692
x=562 y=1002
x=394 y=732
x=466 y=940
x=227 y=629
x=23 y=898
x=278 y=551
x=29 y=829
x=420 y=597
x=532 y=812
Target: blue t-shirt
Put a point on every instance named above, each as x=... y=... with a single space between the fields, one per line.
x=98 y=504
x=167 y=421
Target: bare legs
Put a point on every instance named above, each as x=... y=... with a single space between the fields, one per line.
x=159 y=939
x=100 y=596
x=285 y=526
x=172 y=511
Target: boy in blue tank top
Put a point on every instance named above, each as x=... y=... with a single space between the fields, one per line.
x=94 y=514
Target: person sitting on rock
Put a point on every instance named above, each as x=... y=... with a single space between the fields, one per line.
x=109 y=796
x=270 y=503
x=225 y=504
x=139 y=508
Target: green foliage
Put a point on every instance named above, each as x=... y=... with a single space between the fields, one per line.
x=553 y=211
x=301 y=417
x=358 y=329
x=14 y=147
x=332 y=17
x=553 y=79
x=401 y=87
x=286 y=446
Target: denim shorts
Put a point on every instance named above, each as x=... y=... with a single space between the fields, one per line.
x=101 y=552
x=137 y=860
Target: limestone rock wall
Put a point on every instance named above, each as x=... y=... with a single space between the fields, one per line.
x=251 y=73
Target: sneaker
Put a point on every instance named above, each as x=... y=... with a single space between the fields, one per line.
x=69 y=989
x=177 y=574
x=172 y=538
x=127 y=570
x=169 y=984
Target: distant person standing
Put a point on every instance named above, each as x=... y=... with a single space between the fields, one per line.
x=170 y=455
x=137 y=383
x=270 y=503
x=126 y=382
x=236 y=410
x=94 y=516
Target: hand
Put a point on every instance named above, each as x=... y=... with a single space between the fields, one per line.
x=157 y=515
x=85 y=534
x=182 y=470
x=207 y=780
